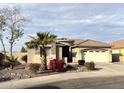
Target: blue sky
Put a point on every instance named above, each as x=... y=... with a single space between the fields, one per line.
x=102 y=22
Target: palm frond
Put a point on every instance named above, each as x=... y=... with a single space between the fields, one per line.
x=42 y=39
x=32 y=37
x=31 y=44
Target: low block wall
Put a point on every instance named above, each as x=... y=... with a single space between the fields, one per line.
x=19 y=55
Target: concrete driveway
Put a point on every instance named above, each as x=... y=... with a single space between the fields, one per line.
x=113 y=68
x=109 y=75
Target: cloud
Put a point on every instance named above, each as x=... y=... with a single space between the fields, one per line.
x=104 y=22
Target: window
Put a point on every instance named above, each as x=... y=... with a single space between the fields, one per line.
x=91 y=51
x=97 y=51
x=85 y=51
x=38 y=51
x=47 y=49
x=74 y=54
x=103 y=51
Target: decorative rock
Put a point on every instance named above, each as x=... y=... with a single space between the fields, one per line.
x=6 y=69
x=12 y=74
x=26 y=76
x=80 y=69
x=17 y=74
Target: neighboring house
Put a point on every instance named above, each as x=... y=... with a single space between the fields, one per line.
x=72 y=50
x=118 y=51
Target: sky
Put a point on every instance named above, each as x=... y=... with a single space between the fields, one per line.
x=101 y=22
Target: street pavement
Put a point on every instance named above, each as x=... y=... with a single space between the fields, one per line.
x=108 y=75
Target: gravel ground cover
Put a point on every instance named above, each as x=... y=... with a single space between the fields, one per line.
x=21 y=72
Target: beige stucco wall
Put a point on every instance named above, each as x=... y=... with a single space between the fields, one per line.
x=87 y=56
x=114 y=51
x=59 y=52
x=52 y=52
x=117 y=51
x=33 y=57
x=78 y=54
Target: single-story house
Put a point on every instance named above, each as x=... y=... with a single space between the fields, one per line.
x=72 y=50
x=118 y=51
x=91 y=50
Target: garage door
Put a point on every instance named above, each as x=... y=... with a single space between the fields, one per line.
x=97 y=56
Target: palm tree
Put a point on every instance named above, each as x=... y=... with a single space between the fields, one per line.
x=41 y=39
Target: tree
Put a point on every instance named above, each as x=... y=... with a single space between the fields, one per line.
x=2 y=29
x=41 y=39
x=15 y=22
x=23 y=50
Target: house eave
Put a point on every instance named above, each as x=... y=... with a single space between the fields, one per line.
x=91 y=46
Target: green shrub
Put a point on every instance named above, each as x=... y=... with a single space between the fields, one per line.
x=34 y=67
x=81 y=62
x=70 y=67
x=10 y=61
x=1 y=59
x=23 y=50
x=90 y=65
x=6 y=64
x=24 y=58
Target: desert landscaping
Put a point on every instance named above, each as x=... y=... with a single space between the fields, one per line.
x=61 y=46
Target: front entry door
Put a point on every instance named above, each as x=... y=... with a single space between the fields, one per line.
x=66 y=53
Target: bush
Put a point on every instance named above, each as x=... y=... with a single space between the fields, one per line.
x=1 y=59
x=34 y=67
x=81 y=62
x=6 y=64
x=23 y=50
x=52 y=64
x=24 y=58
x=10 y=61
x=90 y=65
x=60 y=66
x=70 y=67
x=56 y=65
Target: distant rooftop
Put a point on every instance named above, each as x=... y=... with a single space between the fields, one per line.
x=118 y=44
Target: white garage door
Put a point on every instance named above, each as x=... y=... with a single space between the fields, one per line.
x=97 y=56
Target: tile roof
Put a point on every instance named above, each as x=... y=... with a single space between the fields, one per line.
x=91 y=43
x=77 y=41
x=117 y=44
x=86 y=43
